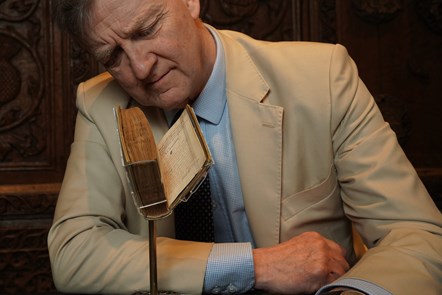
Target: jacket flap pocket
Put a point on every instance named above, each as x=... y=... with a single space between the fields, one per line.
x=306 y=198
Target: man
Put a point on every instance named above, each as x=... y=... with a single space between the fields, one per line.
x=304 y=164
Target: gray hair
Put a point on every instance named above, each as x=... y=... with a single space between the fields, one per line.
x=74 y=16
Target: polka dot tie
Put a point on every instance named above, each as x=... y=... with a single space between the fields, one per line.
x=194 y=218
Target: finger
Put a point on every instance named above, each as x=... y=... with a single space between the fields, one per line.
x=336 y=247
x=339 y=267
x=338 y=253
x=333 y=276
x=342 y=262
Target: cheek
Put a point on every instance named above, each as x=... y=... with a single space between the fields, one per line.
x=125 y=77
x=128 y=82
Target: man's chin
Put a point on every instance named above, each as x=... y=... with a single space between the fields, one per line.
x=173 y=98
x=164 y=104
x=170 y=103
x=178 y=105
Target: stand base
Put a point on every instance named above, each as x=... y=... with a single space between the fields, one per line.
x=159 y=293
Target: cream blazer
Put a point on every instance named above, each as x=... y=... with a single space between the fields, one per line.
x=314 y=154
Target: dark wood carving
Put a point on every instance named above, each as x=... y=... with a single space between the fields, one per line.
x=37 y=106
x=16 y=205
x=40 y=69
x=21 y=124
x=265 y=20
x=24 y=258
x=25 y=219
x=274 y=20
x=327 y=21
x=377 y=11
x=431 y=11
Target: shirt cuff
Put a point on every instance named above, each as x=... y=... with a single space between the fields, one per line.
x=356 y=284
x=230 y=269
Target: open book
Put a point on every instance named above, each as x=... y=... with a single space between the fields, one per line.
x=164 y=174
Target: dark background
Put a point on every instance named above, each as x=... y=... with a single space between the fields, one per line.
x=396 y=44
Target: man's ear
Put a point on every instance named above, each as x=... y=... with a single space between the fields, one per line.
x=194 y=7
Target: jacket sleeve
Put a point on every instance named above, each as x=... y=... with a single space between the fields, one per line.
x=97 y=243
x=381 y=191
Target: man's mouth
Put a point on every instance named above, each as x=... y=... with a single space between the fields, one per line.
x=159 y=78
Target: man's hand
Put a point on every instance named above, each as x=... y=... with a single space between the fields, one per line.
x=301 y=265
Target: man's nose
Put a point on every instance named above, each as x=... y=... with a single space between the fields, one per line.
x=142 y=62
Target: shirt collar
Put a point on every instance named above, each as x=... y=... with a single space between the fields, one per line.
x=210 y=104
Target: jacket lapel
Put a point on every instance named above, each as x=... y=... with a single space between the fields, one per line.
x=257 y=134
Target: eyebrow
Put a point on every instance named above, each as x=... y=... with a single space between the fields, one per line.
x=103 y=55
x=154 y=15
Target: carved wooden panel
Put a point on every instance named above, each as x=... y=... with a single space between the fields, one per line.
x=39 y=72
x=25 y=217
x=25 y=50
x=274 y=20
x=36 y=101
x=265 y=20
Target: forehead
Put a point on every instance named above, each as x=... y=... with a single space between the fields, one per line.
x=120 y=16
x=123 y=11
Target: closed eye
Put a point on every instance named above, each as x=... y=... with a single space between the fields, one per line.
x=149 y=30
x=146 y=32
x=114 y=58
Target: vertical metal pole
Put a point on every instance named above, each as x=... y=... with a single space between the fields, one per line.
x=153 y=258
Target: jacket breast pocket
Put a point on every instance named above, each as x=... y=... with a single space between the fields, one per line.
x=322 y=199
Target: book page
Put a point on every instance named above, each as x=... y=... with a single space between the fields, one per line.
x=181 y=156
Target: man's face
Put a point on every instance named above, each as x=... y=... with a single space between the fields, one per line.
x=157 y=50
